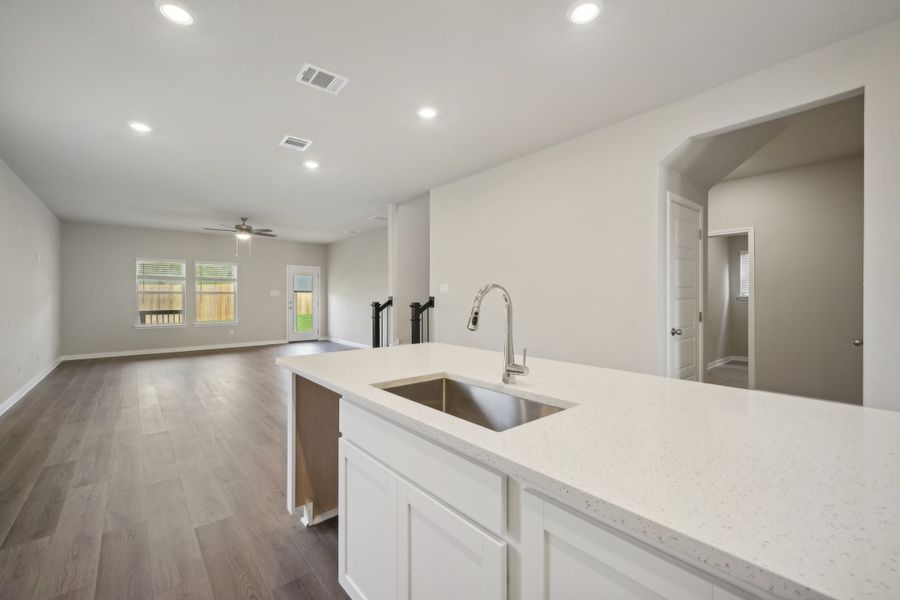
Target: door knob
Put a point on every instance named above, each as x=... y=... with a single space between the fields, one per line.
x=857 y=342
x=677 y=331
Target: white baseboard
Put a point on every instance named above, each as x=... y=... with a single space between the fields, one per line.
x=20 y=393
x=170 y=350
x=345 y=342
x=726 y=359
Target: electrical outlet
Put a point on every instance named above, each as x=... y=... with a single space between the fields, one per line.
x=274 y=293
x=231 y=332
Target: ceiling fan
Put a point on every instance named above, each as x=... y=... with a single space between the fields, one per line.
x=243 y=232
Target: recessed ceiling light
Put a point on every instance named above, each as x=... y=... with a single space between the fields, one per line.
x=311 y=164
x=584 y=12
x=427 y=112
x=177 y=14
x=140 y=127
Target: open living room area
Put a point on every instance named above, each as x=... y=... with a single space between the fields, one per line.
x=534 y=300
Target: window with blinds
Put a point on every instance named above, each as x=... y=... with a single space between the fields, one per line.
x=216 y=292
x=160 y=292
x=744 y=274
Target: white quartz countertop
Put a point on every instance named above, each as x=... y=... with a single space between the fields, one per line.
x=794 y=496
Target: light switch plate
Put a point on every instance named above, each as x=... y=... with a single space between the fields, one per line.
x=274 y=293
x=445 y=288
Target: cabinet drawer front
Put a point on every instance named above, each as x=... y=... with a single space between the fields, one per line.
x=473 y=490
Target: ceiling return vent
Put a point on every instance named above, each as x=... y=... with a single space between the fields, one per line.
x=321 y=79
x=295 y=143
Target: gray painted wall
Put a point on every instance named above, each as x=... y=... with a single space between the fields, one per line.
x=357 y=276
x=555 y=225
x=738 y=313
x=30 y=294
x=99 y=298
x=409 y=259
x=724 y=316
x=808 y=226
x=715 y=313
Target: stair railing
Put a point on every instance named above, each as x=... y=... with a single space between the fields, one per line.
x=381 y=326
x=418 y=313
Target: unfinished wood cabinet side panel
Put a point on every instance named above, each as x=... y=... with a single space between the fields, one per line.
x=316 y=459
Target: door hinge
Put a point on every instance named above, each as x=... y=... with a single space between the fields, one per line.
x=700 y=234
x=701 y=316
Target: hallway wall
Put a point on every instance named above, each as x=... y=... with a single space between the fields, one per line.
x=808 y=237
x=738 y=314
x=595 y=205
x=715 y=311
x=357 y=276
x=725 y=317
x=30 y=294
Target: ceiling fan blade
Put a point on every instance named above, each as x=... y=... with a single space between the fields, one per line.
x=230 y=227
x=262 y=230
x=263 y=234
x=217 y=229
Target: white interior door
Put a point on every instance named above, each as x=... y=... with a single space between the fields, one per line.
x=685 y=289
x=302 y=303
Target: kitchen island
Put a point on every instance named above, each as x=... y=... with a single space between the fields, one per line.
x=642 y=485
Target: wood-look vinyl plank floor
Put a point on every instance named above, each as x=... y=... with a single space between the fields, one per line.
x=159 y=478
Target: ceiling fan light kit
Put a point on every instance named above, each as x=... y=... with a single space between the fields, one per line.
x=243 y=232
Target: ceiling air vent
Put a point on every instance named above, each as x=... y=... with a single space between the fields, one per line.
x=378 y=218
x=295 y=143
x=321 y=79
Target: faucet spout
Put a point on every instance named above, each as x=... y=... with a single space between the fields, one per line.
x=510 y=368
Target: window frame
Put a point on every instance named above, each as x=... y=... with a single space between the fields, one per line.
x=137 y=294
x=742 y=295
x=197 y=292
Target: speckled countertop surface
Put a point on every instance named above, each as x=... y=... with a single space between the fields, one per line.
x=797 y=497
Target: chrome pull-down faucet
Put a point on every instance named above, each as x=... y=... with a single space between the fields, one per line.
x=510 y=368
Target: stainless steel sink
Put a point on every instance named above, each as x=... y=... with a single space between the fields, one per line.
x=488 y=408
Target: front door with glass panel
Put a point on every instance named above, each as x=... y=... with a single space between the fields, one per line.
x=303 y=303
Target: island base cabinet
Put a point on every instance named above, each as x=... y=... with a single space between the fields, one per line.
x=398 y=542
x=566 y=556
x=443 y=556
x=368 y=498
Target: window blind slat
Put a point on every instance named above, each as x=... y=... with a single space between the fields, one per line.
x=745 y=273
x=161 y=268
x=215 y=271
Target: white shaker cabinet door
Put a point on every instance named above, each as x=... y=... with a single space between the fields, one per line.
x=566 y=556
x=367 y=530
x=444 y=556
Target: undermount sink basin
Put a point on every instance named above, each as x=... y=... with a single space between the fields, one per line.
x=478 y=405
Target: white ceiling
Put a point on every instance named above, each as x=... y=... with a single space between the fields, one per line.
x=508 y=76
